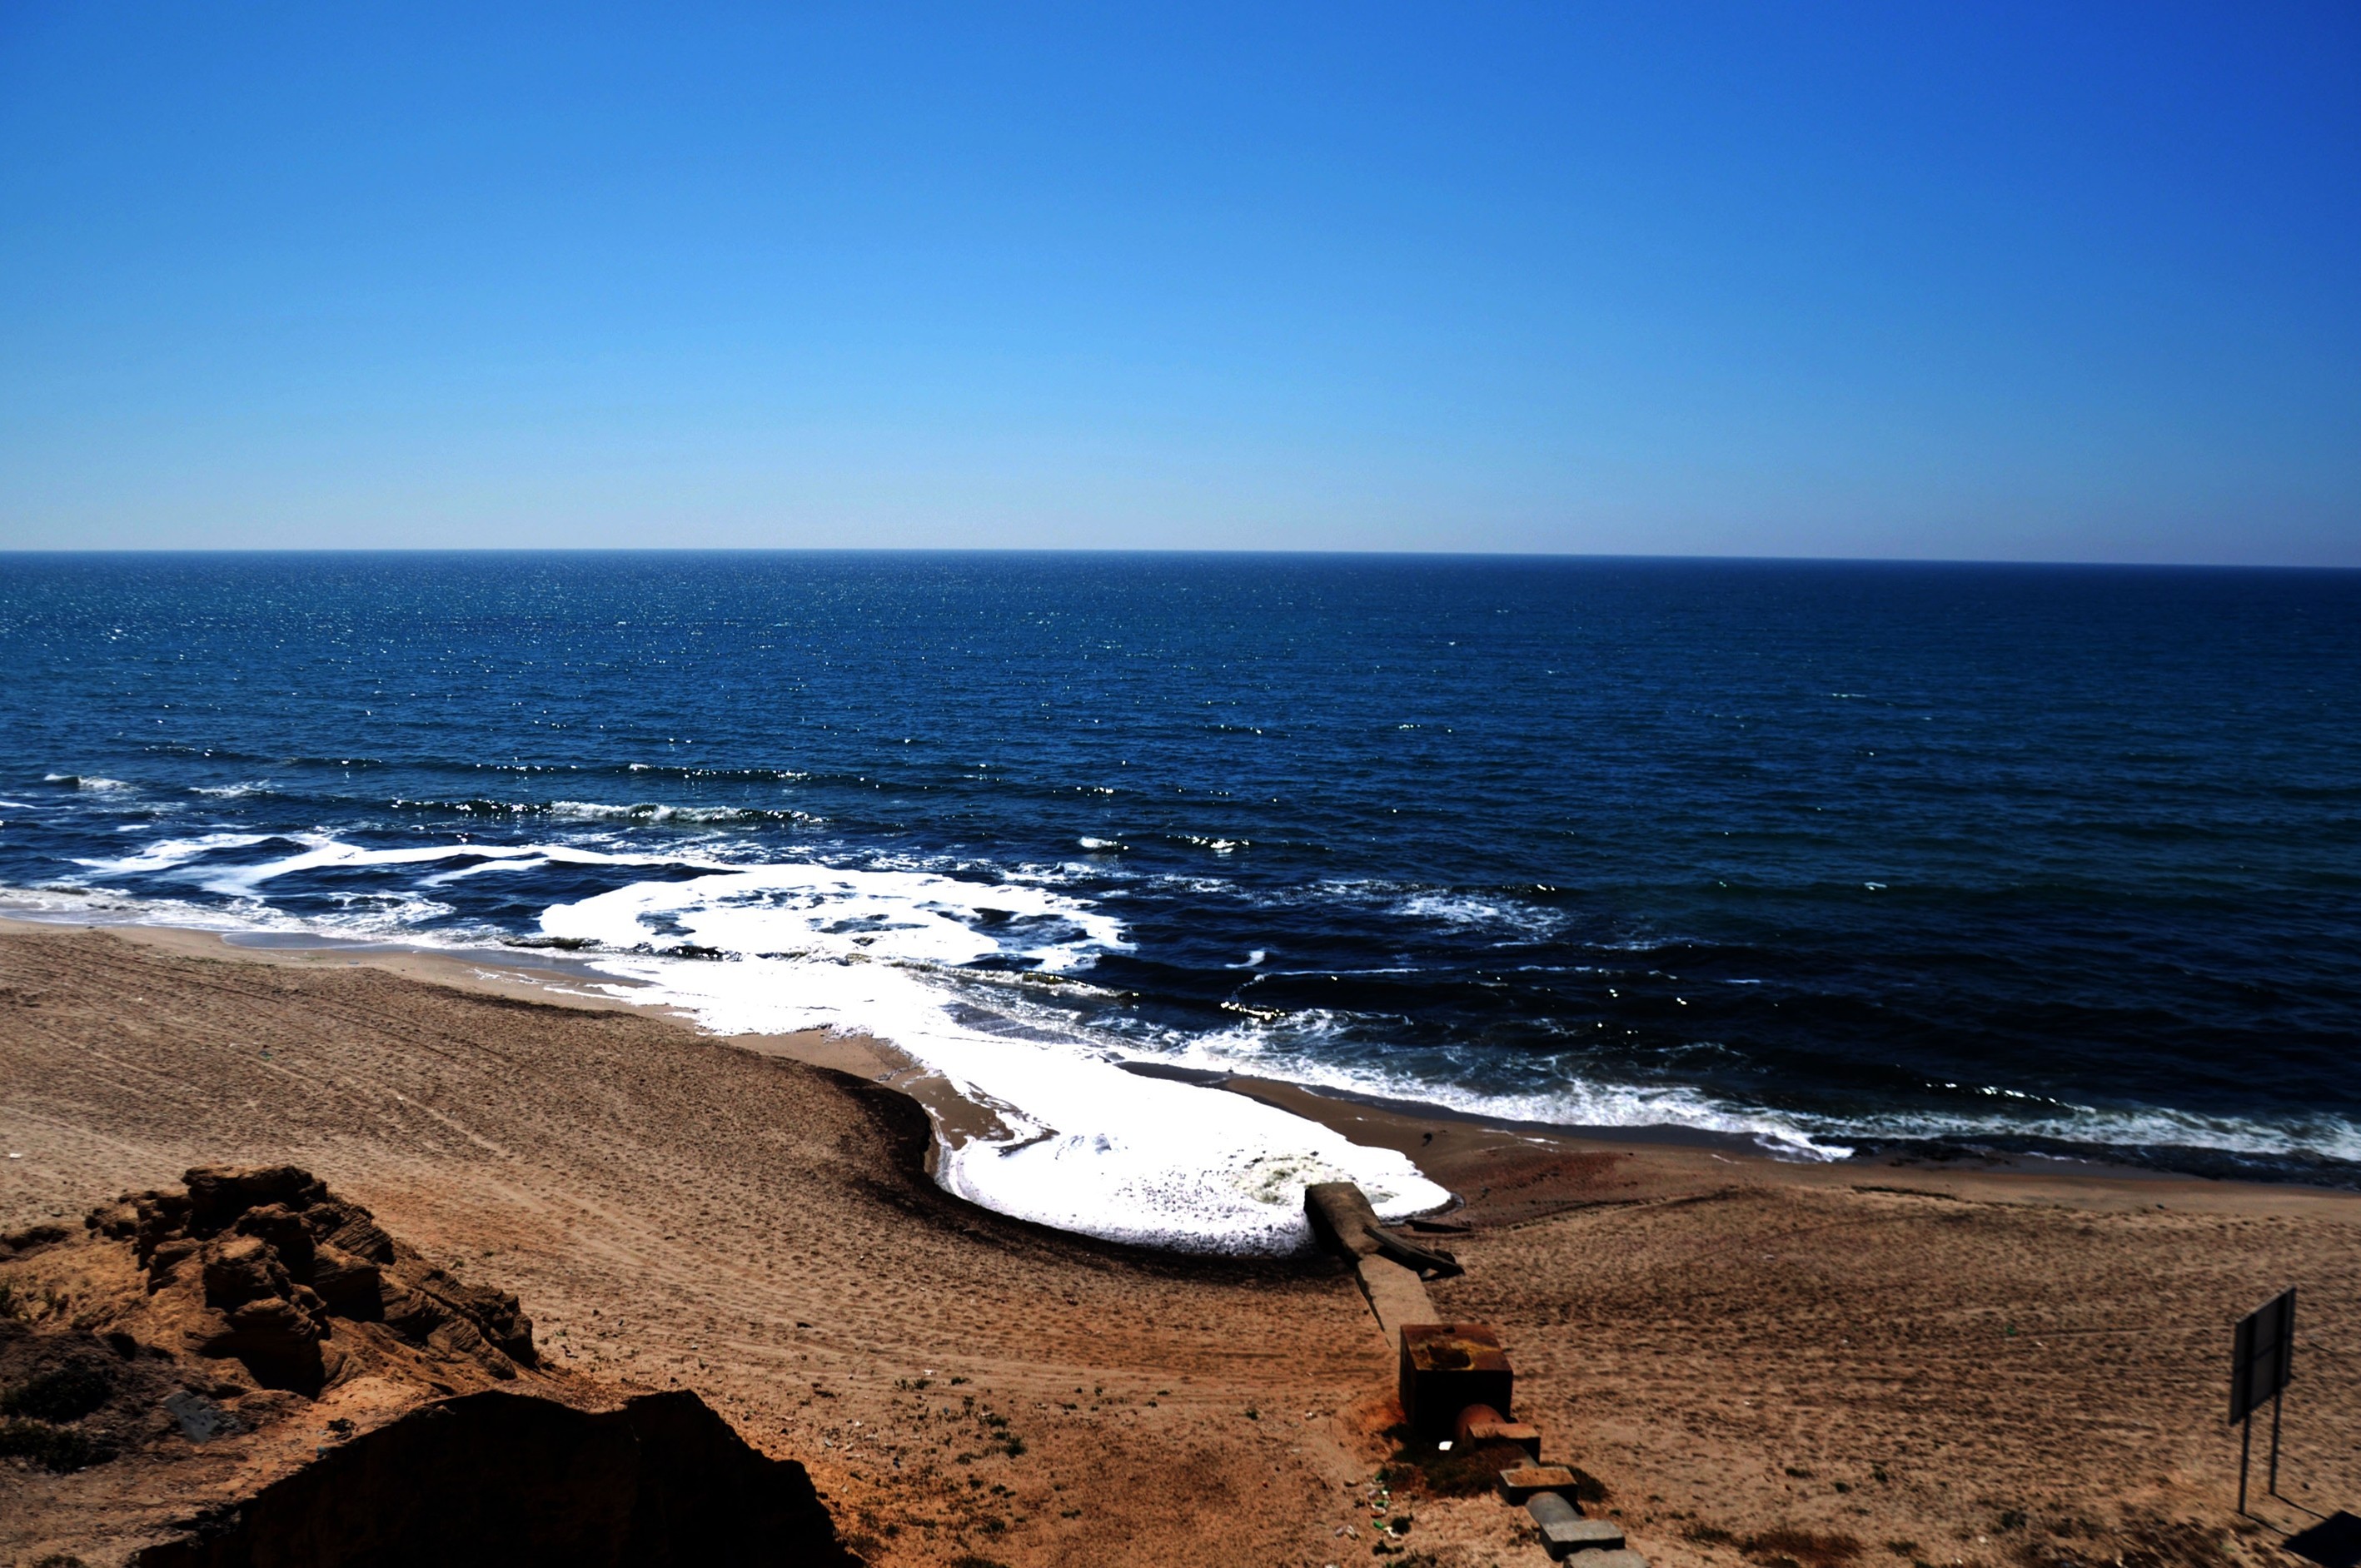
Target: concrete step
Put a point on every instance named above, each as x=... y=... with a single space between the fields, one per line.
x=1480 y=1424
x=1519 y=1482
x=1565 y=1531
x=1617 y=1557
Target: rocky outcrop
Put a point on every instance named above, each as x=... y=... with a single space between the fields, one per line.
x=265 y=1260
x=519 y=1480
x=249 y=1372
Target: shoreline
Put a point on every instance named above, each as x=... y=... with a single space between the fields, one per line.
x=1059 y=1137
x=1456 y=1148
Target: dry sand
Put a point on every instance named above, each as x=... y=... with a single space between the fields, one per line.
x=1856 y=1363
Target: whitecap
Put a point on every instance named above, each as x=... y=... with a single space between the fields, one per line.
x=168 y=853
x=1219 y=846
x=590 y=810
x=807 y=910
x=651 y=811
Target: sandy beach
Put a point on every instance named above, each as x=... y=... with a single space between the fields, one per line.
x=1862 y=1363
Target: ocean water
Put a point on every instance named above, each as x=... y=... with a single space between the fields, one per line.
x=1838 y=857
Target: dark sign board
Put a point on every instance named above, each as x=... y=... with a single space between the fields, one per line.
x=2264 y=1356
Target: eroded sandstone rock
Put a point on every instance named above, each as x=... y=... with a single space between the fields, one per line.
x=159 y=1374
x=268 y=1260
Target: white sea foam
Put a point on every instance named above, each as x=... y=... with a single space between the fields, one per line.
x=1090 y=1146
x=2151 y=1127
x=804 y=910
x=166 y=853
x=1290 y=1052
x=84 y=781
x=598 y=811
x=589 y=810
x=98 y=906
x=1219 y=846
x=1469 y=910
x=1287 y=1047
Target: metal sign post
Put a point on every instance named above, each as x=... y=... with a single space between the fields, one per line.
x=2262 y=1359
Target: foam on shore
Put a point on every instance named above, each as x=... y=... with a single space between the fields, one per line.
x=775 y=948
x=1089 y=1146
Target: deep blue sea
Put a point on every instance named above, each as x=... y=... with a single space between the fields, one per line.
x=1845 y=856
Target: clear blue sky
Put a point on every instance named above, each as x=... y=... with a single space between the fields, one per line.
x=2049 y=281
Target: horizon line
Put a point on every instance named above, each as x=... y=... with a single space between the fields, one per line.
x=9 y=551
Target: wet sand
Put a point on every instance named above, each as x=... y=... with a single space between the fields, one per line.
x=1889 y=1364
